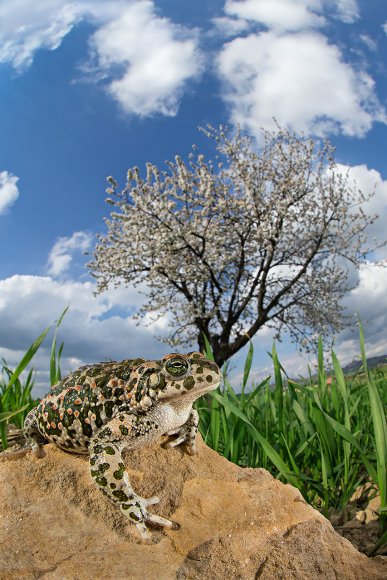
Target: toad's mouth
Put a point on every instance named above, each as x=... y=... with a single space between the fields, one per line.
x=194 y=393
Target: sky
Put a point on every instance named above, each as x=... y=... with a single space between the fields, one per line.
x=89 y=88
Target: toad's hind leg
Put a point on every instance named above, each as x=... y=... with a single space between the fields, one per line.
x=34 y=438
x=108 y=471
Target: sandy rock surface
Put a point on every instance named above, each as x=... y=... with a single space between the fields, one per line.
x=235 y=523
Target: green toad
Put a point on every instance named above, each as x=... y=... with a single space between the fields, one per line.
x=103 y=408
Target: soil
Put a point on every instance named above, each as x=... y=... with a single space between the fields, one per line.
x=358 y=522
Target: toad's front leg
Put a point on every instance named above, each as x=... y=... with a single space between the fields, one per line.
x=108 y=470
x=186 y=433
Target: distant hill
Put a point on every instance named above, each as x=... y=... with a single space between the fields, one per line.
x=350 y=368
x=372 y=362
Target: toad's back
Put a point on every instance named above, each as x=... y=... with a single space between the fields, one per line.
x=79 y=405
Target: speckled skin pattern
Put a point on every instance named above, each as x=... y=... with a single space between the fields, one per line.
x=103 y=408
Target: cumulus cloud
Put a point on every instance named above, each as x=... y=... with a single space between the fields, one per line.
x=292 y=15
x=61 y=254
x=26 y=27
x=156 y=58
x=145 y=60
x=9 y=191
x=347 y=10
x=372 y=313
x=91 y=330
x=300 y=79
x=227 y=27
x=277 y=14
x=286 y=68
x=370 y=181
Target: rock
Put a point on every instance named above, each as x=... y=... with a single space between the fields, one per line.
x=370 y=513
x=235 y=523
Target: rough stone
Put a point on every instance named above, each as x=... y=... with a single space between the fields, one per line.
x=235 y=523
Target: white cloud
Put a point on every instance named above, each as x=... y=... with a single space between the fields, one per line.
x=227 y=27
x=347 y=10
x=154 y=56
x=301 y=80
x=61 y=254
x=292 y=15
x=91 y=330
x=368 y=302
x=291 y=71
x=26 y=27
x=370 y=43
x=278 y=14
x=9 y=191
x=372 y=282
x=368 y=181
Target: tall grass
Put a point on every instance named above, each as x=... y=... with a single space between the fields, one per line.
x=324 y=437
x=15 y=391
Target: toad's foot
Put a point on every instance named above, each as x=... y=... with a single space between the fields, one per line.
x=186 y=434
x=11 y=455
x=108 y=471
x=34 y=439
x=136 y=511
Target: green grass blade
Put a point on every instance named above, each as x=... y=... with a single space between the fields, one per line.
x=26 y=358
x=379 y=424
x=55 y=374
x=380 y=433
x=304 y=420
x=324 y=469
x=214 y=421
x=8 y=414
x=53 y=370
x=342 y=386
x=279 y=389
x=340 y=377
x=208 y=350
x=274 y=457
x=247 y=367
x=62 y=316
x=322 y=379
x=382 y=540
x=347 y=435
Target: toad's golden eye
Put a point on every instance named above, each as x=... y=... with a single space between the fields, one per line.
x=176 y=367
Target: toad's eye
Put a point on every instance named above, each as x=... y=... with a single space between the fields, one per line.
x=176 y=367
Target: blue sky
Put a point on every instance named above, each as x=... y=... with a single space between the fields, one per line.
x=89 y=88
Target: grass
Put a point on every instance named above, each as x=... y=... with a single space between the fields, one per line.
x=324 y=437
x=15 y=391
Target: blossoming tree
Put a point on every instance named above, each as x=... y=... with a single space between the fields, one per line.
x=225 y=248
